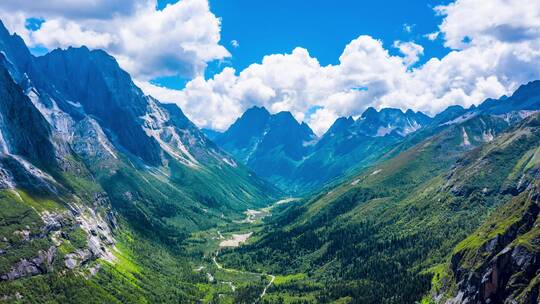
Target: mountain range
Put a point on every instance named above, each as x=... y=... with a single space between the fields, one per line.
x=448 y=215
x=92 y=169
x=288 y=153
x=108 y=195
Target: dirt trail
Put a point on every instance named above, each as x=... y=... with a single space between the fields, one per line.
x=219 y=266
x=238 y=239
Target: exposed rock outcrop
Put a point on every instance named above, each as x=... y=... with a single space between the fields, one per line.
x=37 y=265
x=98 y=240
x=505 y=268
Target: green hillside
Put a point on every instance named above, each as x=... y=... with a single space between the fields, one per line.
x=377 y=237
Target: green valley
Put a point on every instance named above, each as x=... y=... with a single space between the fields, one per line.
x=142 y=162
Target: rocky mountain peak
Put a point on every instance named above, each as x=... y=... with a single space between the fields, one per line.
x=390 y=121
x=340 y=125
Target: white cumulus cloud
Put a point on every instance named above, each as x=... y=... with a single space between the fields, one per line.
x=410 y=50
x=484 y=22
x=495 y=48
x=432 y=36
x=178 y=40
x=80 y=9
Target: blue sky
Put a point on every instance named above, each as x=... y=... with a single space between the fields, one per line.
x=287 y=52
x=322 y=27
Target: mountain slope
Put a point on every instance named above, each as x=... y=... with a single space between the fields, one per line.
x=498 y=263
x=71 y=85
x=101 y=185
x=271 y=145
x=289 y=155
x=374 y=238
x=24 y=131
x=350 y=145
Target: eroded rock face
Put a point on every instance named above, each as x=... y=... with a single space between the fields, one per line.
x=505 y=269
x=78 y=258
x=91 y=143
x=503 y=279
x=97 y=226
x=100 y=238
x=37 y=265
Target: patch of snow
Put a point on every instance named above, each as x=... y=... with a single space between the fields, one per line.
x=229 y=162
x=4 y=148
x=522 y=114
x=383 y=131
x=487 y=136
x=255 y=146
x=74 y=103
x=310 y=143
x=460 y=119
x=376 y=172
x=410 y=128
x=466 y=141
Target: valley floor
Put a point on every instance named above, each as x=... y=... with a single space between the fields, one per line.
x=229 y=285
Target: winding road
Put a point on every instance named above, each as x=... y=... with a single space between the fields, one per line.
x=251 y=217
x=263 y=293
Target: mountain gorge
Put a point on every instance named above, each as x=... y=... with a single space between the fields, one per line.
x=382 y=235
x=108 y=195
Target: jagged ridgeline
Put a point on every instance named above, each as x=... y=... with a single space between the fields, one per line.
x=290 y=155
x=406 y=225
x=100 y=184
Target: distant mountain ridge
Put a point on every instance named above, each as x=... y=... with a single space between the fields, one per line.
x=416 y=219
x=290 y=155
x=270 y=144
x=390 y=121
x=349 y=144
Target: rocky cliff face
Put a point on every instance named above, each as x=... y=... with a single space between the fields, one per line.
x=44 y=241
x=506 y=267
x=93 y=82
x=24 y=131
x=500 y=261
x=67 y=86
